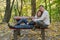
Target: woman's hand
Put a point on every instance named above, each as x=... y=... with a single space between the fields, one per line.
x=31 y=18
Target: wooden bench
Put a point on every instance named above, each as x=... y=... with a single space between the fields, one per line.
x=15 y=30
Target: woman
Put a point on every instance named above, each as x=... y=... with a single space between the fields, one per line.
x=37 y=23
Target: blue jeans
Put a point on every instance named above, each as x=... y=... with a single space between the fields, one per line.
x=25 y=26
x=24 y=20
x=30 y=25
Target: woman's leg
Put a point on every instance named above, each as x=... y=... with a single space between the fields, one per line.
x=22 y=20
x=25 y=26
x=32 y=23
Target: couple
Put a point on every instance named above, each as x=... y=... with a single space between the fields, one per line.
x=41 y=19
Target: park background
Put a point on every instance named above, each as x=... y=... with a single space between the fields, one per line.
x=11 y=8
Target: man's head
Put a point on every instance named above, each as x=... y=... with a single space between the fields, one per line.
x=41 y=8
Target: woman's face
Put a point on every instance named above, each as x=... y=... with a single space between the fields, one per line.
x=39 y=14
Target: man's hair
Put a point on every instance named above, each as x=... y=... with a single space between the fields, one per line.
x=41 y=6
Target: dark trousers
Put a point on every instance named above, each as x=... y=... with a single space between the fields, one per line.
x=39 y=24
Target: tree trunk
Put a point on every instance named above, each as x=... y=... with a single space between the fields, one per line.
x=58 y=9
x=20 y=11
x=33 y=5
x=50 y=10
x=46 y=4
x=8 y=11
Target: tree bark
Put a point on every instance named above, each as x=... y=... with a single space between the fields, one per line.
x=8 y=11
x=50 y=10
x=33 y=5
x=46 y=4
x=20 y=11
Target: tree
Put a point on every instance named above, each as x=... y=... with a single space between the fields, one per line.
x=50 y=10
x=8 y=11
x=19 y=11
x=21 y=8
x=46 y=4
x=33 y=5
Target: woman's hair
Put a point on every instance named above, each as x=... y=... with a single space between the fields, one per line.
x=38 y=12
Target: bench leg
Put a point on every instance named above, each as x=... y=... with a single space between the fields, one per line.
x=18 y=31
x=15 y=35
x=43 y=34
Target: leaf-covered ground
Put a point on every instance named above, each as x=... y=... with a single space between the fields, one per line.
x=53 y=33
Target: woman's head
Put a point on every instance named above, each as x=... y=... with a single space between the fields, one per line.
x=39 y=13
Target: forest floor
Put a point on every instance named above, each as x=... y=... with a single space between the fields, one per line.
x=53 y=33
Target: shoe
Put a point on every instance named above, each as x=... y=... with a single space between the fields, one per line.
x=12 y=27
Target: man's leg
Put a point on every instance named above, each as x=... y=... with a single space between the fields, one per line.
x=41 y=24
x=44 y=26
